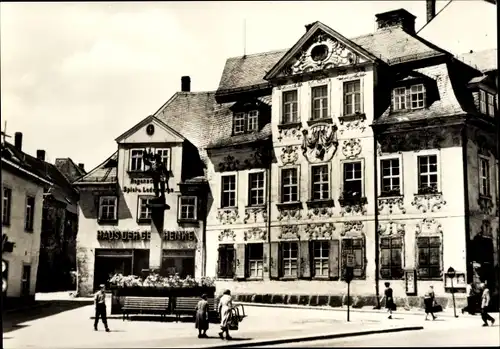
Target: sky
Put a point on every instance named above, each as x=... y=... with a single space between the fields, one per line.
x=74 y=76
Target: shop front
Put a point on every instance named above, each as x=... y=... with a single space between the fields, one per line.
x=179 y=254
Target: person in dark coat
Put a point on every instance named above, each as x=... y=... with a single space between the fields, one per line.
x=389 y=299
x=202 y=317
x=429 y=299
x=100 y=308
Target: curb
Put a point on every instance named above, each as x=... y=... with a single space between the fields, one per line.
x=258 y=343
x=357 y=310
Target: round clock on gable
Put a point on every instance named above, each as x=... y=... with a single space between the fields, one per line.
x=150 y=129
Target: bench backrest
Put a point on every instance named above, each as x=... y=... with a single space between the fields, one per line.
x=139 y=301
x=189 y=303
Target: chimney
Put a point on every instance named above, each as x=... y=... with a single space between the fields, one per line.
x=309 y=26
x=40 y=154
x=431 y=10
x=396 y=18
x=18 y=141
x=82 y=166
x=186 y=84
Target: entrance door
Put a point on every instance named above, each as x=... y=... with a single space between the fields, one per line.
x=109 y=263
x=26 y=281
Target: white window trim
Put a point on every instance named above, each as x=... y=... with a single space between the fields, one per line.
x=139 y=199
x=361 y=97
x=408 y=94
x=9 y=207
x=428 y=152
x=280 y=188
x=482 y=157
x=345 y=161
x=329 y=166
x=252 y=171
x=29 y=195
x=321 y=259
x=179 y=208
x=130 y=159
x=318 y=83
x=101 y=198
x=247 y=119
x=249 y=244
x=169 y=160
x=282 y=99
x=380 y=176
x=231 y=173
x=297 y=259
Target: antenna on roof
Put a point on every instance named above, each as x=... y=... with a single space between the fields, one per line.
x=244 y=37
x=4 y=132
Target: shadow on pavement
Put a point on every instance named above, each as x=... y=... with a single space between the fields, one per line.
x=12 y=321
x=156 y=318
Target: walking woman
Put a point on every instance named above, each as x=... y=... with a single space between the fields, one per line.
x=429 y=303
x=202 y=317
x=389 y=299
x=485 y=302
x=225 y=307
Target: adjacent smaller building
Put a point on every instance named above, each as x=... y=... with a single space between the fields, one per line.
x=22 y=204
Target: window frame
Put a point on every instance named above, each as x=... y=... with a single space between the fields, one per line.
x=481 y=178
x=342 y=174
x=423 y=153
x=429 y=266
x=142 y=167
x=483 y=102
x=321 y=259
x=283 y=103
x=281 y=185
x=391 y=248
x=101 y=198
x=256 y=262
x=328 y=101
x=232 y=272
x=256 y=116
x=392 y=192
x=312 y=183
x=26 y=281
x=6 y=208
x=179 y=208
x=29 y=222
x=250 y=189
x=245 y=119
x=229 y=174
x=343 y=253
x=169 y=157
x=345 y=94
x=289 y=259
x=408 y=97
x=139 y=207
x=490 y=104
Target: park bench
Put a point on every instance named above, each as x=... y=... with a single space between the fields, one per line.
x=145 y=305
x=187 y=306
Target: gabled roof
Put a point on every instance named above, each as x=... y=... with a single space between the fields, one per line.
x=143 y=123
x=485 y=60
x=69 y=169
x=391 y=45
x=314 y=30
x=104 y=173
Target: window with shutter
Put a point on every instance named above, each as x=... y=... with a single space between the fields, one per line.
x=305 y=261
x=275 y=258
x=226 y=261
x=356 y=247
x=240 y=261
x=391 y=263
x=334 y=259
x=429 y=257
x=289 y=259
x=255 y=260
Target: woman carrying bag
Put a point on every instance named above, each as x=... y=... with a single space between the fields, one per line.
x=225 y=312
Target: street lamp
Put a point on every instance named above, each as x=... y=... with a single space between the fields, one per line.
x=451 y=274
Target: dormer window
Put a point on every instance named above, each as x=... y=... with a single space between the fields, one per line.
x=486 y=103
x=245 y=122
x=408 y=98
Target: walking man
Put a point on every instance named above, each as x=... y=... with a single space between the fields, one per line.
x=100 y=308
x=485 y=301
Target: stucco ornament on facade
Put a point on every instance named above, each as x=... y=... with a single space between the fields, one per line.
x=391 y=203
x=228 y=215
x=255 y=234
x=320 y=212
x=289 y=131
x=486 y=229
x=352 y=228
x=485 y=205
x=320 y=231
x=289 y=213
x=319 y=143
x=352 y=125
x=352 y=148
x=357 y=207
x=391 y=228
x=289 y=155
x=428 y=202
x=289 y=232
x=429 y=226
x=254 y=212
x=227 y=235
x=324 y=53
x=229 y=163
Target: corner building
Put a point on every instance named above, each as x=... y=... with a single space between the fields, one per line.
x=380 y=146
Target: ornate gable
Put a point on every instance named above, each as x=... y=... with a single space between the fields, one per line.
x=321 y=48
x=150 y=130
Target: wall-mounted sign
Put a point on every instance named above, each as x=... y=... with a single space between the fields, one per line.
x=178 y=235
x=138 y=181
x=458 y=280
x=411 y=281
x=125 y=235
x=127 y=190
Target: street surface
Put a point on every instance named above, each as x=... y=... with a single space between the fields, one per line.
x=66 y=323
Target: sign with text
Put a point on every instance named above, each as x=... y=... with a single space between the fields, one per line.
x=139 y=181
x=179 y=235
x=148 y=190
x=411 y=281
x=125 y=235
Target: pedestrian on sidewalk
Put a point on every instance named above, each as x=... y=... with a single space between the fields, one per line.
x=485 y=302
x=429 y=302
x=202 y=317
x=389 y=299
x=225 y=308
x=471 y=300
x=100 y=308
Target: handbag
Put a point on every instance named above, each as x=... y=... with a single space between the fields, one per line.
x=233 y=323
x=437 y=308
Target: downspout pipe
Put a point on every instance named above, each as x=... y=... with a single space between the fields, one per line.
x=269 y=166
x=375 y=207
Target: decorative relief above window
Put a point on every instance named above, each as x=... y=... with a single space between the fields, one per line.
x=228 y=215
x=391 y=228
x=288 y=131
x=289 y=155
x=324 y=53
x=254 y=213
x=227 y=235
x=288 y=213
x=322 y=231
x=255 y=234
x=320 y=212
x=485 y=205
x=428 y=202
x=353 y=125
x=319 y=143
x=352 y=228
x=229 y=163
x=351 y=148
x=289 y=232
x=390 y=203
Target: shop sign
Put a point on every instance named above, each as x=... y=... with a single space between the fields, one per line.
x=127 y=190
x=139 y=181
x=125 y=235
x=178 y=235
